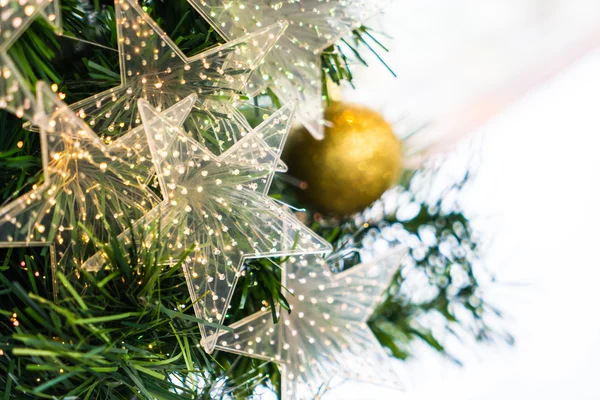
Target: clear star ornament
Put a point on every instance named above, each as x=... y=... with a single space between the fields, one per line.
x=216 y=212
x=15 y=17
x=153 y=67
x=85 y=182
x=292 y=70
x=325 y=335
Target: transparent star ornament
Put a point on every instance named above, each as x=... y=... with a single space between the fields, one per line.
x=15 y=16
x=325 y=335
x=153 y=68
x=86 y=182
x=216 y=212
x=292 y=70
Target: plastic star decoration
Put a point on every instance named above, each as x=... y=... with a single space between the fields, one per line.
x=217 y=207
x=155 y=69
x=15 y=17
x=326 y=333
x=85 y=181
x=293 y=68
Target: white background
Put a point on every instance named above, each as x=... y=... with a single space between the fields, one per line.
x=537 y=191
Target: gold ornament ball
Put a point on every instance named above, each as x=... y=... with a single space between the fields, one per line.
x=359 y=159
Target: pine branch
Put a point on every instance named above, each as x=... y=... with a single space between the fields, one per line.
x=338 y=60
x=125 y=332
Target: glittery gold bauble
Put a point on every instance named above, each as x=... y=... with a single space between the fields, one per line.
x=359 y=159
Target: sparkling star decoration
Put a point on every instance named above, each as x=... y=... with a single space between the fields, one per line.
x=15 y=17
x=155 y=69
x=326 y=333
x=85 y=181
x=217 y=207
x=293 y=68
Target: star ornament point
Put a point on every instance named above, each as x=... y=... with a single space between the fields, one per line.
x=326 y=333
x=15 y=18
x=17 y=15
x=293 y=68
x=217 y=207
x=154 y=68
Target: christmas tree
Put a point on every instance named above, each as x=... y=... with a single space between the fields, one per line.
x=169 y=232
